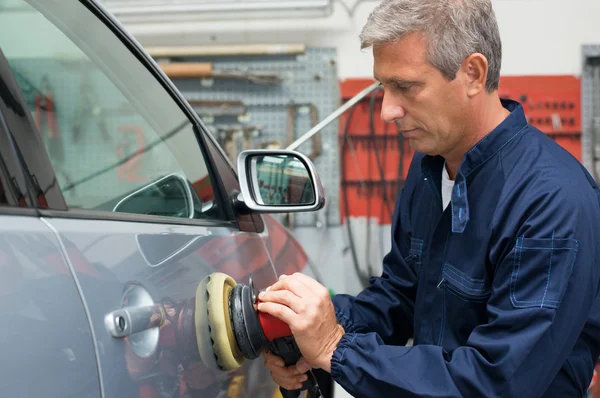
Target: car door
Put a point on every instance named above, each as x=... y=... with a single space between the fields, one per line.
x=137 y=193
x=46 y=340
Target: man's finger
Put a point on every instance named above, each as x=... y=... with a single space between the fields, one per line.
x=289 y=373
x=294 y=383
x=279 y=311
x=316 y=288
x=273 y=359
x=287 y=384
x=308 y=281
x=284 y=297
x=292 y=284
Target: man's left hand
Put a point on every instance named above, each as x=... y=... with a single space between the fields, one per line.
x=305 y=305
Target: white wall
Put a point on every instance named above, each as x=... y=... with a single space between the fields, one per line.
x=539 y=36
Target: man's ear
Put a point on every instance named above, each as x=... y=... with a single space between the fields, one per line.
x=476 y=69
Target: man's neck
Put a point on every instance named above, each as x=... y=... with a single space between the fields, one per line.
x=484 y=119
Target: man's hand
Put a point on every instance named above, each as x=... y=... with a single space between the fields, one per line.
x=291 y=377
x=305 y=305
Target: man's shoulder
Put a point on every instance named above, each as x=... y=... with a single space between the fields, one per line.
x=535 y=165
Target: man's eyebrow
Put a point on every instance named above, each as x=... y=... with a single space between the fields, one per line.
x=397 y=80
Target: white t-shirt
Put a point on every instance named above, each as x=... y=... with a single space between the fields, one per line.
x=447 y=185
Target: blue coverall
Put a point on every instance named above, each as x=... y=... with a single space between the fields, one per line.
x=499 y=291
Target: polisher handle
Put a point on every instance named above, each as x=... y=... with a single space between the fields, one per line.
x=282 y=344
x=287 y=349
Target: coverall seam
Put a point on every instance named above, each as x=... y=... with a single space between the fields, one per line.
x=481 y=291
x=443 y=328
x=474 y=281
x=544 y=302
x=495 y=153
x=549 y=271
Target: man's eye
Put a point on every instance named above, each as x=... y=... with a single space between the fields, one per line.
x=403 y=88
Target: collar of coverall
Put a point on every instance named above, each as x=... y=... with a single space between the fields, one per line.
x=483 y=151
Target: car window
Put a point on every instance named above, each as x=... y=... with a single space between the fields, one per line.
x=13 y=191
x=116 y=139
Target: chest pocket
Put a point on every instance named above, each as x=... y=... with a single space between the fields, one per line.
x=464 y=299
x=415 y=255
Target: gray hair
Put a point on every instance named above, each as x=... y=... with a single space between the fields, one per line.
x=454 y=30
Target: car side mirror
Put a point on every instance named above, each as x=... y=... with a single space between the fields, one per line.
x=278 y=181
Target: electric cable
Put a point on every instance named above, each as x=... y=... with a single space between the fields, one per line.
x=381 y=248
x=377 y=156
x=382 y=180
x=362 y=277
x=595 y=120
x=370 y=192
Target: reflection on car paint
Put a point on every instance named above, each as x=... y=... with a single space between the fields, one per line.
x=45 y=321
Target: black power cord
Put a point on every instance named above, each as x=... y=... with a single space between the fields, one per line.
x=376 y=150
x=362 y=277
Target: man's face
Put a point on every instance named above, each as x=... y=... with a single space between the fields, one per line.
x=429 y=110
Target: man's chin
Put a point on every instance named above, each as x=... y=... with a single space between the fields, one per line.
x=421 y=147
x=417 y=145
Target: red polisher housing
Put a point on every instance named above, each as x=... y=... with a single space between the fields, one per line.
x=272 y=327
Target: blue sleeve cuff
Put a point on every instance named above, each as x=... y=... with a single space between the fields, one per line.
x=337 y=360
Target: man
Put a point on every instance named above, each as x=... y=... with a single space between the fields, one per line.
x=493 y=267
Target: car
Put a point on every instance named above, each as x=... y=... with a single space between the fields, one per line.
x=115 y=197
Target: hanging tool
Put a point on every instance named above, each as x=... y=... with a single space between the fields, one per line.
x=226 y=50
x=47 y=123
x=288 y=219
x=228 y=137
x=229 y=329
x=317 y=145
x=88 y=108
x=186 y=70
x=218 y=108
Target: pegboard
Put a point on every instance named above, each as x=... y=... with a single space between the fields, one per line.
x=308 y=79
x=590 y=102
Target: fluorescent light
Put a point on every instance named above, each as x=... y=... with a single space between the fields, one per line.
x=218 y=10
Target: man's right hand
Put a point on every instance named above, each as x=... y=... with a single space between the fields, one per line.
x=290 y=377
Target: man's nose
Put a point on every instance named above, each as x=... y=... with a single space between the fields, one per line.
x=390 y=110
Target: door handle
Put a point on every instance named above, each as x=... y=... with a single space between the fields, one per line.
x=130 y=320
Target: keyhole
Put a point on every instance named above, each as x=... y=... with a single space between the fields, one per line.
x=121 y=323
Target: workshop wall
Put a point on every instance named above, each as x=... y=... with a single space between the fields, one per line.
x=539 y=36
x=269 y=101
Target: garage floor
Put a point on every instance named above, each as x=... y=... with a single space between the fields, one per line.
x=339 y=392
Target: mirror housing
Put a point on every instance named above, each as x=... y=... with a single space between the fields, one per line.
x=278 y=181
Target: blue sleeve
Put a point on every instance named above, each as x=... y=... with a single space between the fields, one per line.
x=386 y=306
x=526 y=339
